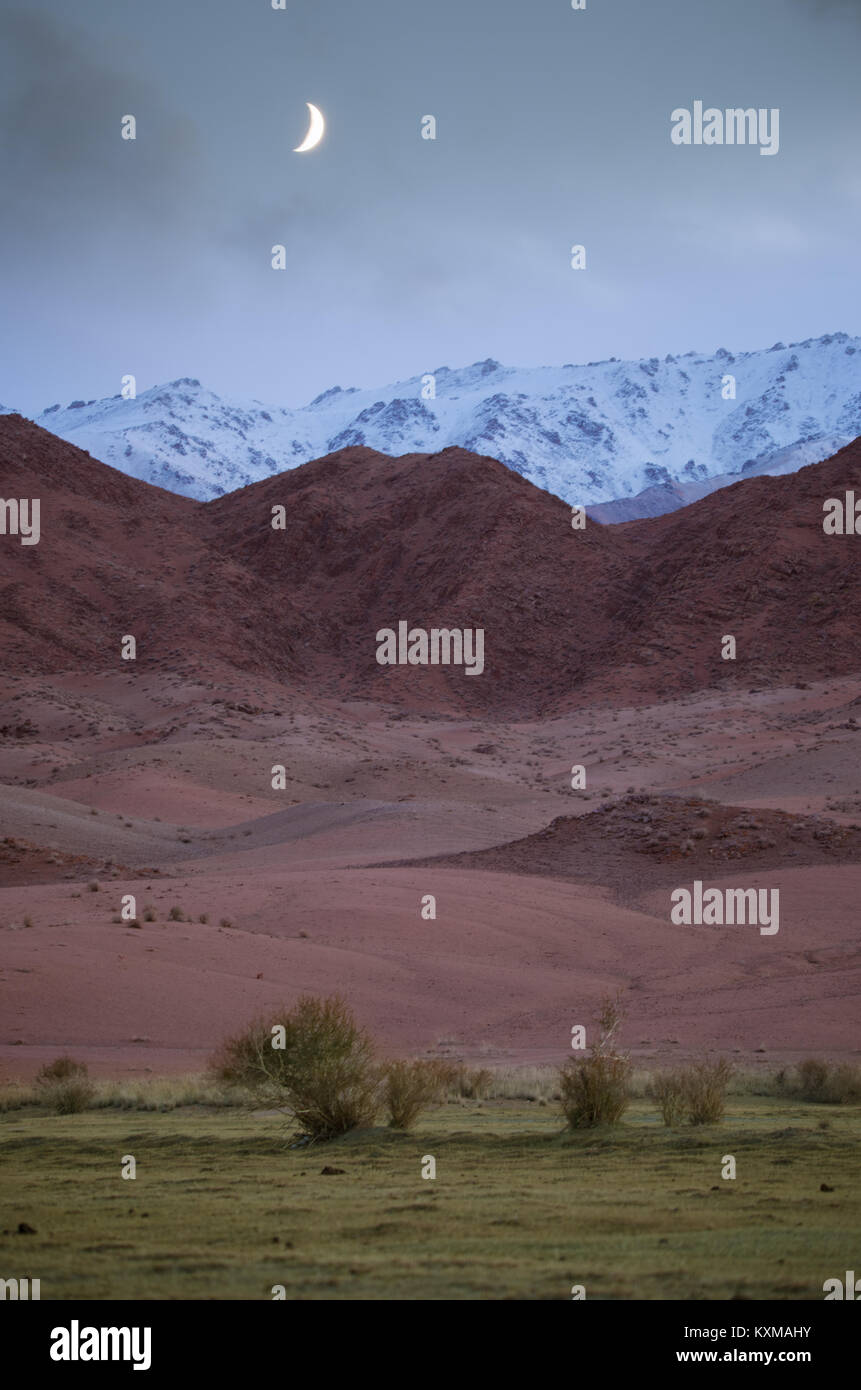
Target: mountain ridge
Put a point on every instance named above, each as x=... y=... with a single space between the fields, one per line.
x=591 y=434
x=622 y=614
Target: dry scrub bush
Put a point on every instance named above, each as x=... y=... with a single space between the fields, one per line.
x=61 y=1069
x=472 y=1083
x=844 y=1085
x=14 y=1095
x=65 y=1086
x=447 y=1073
x=696 y=1094
x=409 y=1087
x=667 y=1088
x=827 y=1084
x=812 y=1076
x=704 y=1088
x=595 y=1089
x=326 y=1074
x=243 y=1059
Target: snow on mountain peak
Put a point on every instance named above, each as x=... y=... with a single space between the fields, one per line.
x=588 y=433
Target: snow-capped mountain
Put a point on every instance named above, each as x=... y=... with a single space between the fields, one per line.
x=588 y=433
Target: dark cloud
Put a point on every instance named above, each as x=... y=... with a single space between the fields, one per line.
x=153 y=256
x=60 y=118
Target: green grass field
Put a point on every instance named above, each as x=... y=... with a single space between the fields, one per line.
x=221 y=1209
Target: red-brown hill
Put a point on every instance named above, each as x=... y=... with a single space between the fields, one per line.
x=450 y=540
x=116 y=556
x=453 y=540
x=751 y=560
x=644 y=841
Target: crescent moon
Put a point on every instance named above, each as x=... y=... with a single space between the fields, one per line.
x=315 y=130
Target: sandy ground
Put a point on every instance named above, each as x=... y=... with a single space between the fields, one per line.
x=161 y=788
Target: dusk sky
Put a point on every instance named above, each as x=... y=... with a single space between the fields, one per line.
x=152 y=256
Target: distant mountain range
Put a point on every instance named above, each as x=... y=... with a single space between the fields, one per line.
x=652 y=434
